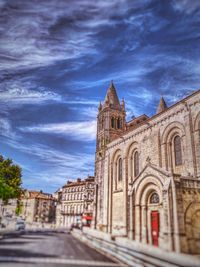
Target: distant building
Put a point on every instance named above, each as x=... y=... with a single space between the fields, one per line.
x=77 y=199
x=8 y=208
x=38 y=207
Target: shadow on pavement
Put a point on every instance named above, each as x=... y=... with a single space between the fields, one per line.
x=10 y=243
x=23 y=253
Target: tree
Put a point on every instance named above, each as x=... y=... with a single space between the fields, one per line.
x=10 y=179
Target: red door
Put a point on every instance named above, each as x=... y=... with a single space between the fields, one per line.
x=155 y=227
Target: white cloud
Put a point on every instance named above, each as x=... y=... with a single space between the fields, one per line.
x=85 y=130
x=19 y=92
x=29 y=40
x=186 y=6
x=6 y=128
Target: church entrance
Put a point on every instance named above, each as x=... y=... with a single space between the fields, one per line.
x=155 y=227
x=149 y=212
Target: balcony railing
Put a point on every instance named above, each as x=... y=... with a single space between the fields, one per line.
x=70 y=213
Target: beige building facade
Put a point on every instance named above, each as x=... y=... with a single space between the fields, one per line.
x=147 y=174
x=38 y=206
x=76 y=200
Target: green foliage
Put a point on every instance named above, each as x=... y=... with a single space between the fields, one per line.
x=10 y=179
x=19 y=208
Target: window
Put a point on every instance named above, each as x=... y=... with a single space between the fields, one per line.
x=120 y=169
x=154 y=198
x=113 y=122
x=121 y=124
x=136 y=164
x=118 y=123
x=177 y=150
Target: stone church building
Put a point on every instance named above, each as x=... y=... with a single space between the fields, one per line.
x=147 y=173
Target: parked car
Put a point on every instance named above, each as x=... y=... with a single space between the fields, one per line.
x=75 y=225
x=20 y=226
x=2 y=225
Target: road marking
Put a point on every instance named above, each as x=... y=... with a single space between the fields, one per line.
x=60 y=261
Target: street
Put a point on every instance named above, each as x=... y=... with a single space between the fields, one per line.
x=48 y=248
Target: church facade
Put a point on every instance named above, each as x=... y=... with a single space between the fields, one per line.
x=147 y=174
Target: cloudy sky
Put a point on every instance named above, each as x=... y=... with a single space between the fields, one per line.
x=57 y=58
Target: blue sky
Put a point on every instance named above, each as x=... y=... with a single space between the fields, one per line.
x=57 y=58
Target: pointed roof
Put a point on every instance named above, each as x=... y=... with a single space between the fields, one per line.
x=111 y=98
x=100 y=106
x=161 y=106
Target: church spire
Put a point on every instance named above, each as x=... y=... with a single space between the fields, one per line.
x=111 y=98
x=161 y=106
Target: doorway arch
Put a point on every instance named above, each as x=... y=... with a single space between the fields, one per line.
x=192 y=219
x=149 y=211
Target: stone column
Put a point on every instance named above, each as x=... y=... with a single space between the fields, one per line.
x=130 y=234
x=126 y=206
x=166 y=227
x=175 y=219
x=197 y=150
x=143 y=224
x=137 y=223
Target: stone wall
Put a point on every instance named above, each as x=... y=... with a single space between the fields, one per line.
x=134 y=253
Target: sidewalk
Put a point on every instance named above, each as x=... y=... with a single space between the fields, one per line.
x=6 y=231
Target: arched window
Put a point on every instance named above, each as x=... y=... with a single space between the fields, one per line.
x=118 y=123
x=113 y=122
x=177 y=150
x=154 y=198
x=136 y=164
x=120 y=169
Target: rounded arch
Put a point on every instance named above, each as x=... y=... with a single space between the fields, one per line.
x=192 y=227
x=117 y=165
x=192 y=207
x=130 y=148
x=130 y=151
x=147 y=192
x=116 y=155
x=147 y=184
x=146 y=212
x=172 y=129
x=197 y=122
x=197 y=141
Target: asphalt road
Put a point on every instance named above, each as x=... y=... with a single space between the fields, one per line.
x=49 y=248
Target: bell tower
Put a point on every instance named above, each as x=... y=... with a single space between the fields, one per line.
x=111 y=124
x=110 y=120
